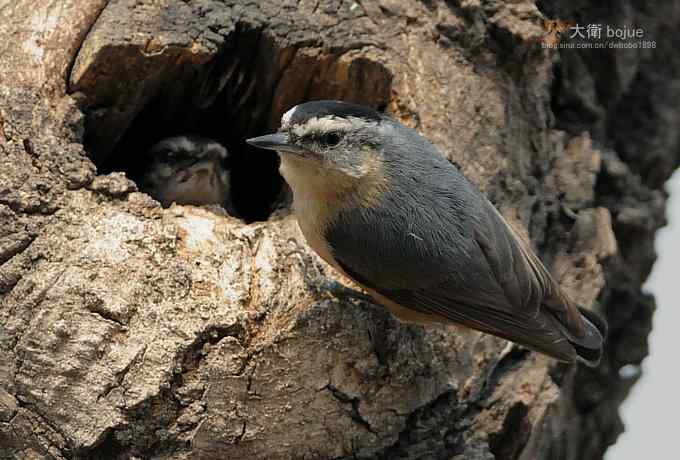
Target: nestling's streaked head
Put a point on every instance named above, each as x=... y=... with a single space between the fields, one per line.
x=327 y=140
x=188 y=170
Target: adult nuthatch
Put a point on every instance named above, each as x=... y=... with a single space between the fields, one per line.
x=188 y=170
x=379 y=203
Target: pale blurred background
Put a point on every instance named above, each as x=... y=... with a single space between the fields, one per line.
x=650 y=412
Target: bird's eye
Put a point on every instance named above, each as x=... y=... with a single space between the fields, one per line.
x=330 y=139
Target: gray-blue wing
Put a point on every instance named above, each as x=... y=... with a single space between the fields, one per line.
x=467 y=267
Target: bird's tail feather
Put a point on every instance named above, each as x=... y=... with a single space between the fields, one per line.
x=589 y=347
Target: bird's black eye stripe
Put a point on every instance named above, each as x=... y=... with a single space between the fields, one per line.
x=330 y=139
x=162 y=153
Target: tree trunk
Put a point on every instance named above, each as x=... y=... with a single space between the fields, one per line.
x=132 y=331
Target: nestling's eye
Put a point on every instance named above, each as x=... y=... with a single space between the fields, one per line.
x=161 y=153
x=330 y=139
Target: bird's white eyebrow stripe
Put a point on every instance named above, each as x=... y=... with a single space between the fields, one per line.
x=194 y=147
x=174 y=143
x=187 y=145
x=327 y=124
x=321 y=125
x=285 y=120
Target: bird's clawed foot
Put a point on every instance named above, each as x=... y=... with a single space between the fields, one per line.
x=321 y=283
x=342 y=292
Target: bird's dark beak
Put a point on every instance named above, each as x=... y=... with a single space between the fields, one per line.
x=279 y=142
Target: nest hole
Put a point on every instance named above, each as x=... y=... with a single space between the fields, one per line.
x=239 y=92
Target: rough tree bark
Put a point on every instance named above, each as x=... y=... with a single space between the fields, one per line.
x=130 y=331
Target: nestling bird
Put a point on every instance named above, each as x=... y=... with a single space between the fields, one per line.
x=188 y=170
x=378 y=202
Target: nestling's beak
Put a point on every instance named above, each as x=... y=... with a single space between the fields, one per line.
x=279 y=142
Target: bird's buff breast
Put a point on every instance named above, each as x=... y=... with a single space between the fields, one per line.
x=312 y=218
x=311 y=206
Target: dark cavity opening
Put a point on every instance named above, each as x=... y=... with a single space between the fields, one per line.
x=237 y=92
